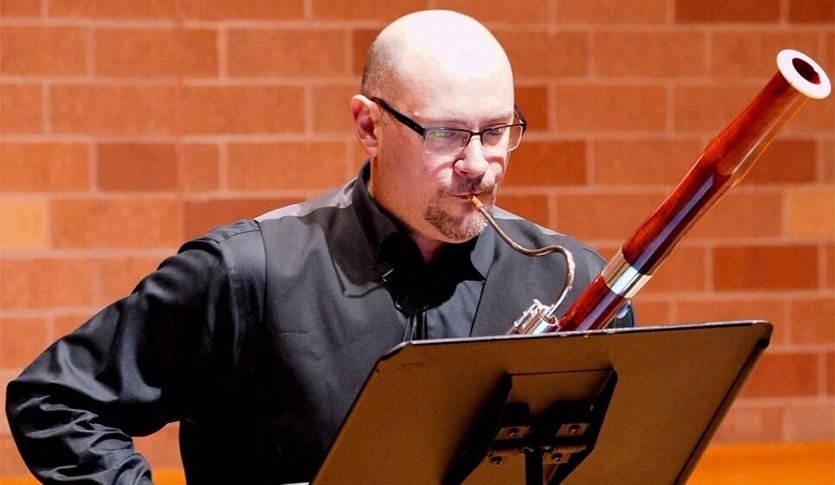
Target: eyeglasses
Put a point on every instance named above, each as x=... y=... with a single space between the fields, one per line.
x=495 y=140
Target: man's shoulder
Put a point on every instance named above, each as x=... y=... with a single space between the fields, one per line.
x=238 y=247
x=244 y=232
x=317 y=206
x=233 y=233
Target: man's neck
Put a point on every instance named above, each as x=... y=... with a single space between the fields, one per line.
x=429 y=248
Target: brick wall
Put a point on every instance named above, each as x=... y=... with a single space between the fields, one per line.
x=128 y=127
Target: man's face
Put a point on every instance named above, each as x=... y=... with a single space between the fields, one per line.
x=429 y=193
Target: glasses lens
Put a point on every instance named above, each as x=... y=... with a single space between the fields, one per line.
x=514 y=137
x=445 y=141
x=501 y=140
x=449 y=141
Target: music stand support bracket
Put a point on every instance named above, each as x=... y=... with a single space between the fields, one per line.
x=553 y=439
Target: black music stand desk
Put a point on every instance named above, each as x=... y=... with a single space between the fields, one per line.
x=625 y=406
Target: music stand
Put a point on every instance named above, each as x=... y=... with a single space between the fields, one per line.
x=440 y=412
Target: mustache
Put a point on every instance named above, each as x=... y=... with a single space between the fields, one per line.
x=467 y=188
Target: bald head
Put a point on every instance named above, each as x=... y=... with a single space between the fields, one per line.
x=426 y=50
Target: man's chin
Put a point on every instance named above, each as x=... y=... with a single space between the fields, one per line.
x=458 y=230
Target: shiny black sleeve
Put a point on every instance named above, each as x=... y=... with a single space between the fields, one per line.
x=126 y=372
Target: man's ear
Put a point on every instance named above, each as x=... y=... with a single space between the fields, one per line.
x=365 y=123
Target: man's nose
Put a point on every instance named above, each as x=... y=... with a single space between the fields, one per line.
x=471 y=161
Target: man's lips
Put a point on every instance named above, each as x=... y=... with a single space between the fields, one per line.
x=486 y=192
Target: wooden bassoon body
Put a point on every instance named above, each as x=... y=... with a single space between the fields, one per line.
x=721 y=166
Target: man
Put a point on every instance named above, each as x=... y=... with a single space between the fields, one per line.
x=258 y=336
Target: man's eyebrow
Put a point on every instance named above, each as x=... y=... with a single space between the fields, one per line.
x=508 y=118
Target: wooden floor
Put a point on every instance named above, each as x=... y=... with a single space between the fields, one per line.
x=779 y=464
x=794 y=463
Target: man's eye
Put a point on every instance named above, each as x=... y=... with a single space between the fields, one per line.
x=440 y=134
x=494 y=133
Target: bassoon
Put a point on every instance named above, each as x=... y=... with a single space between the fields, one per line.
x=721 y=166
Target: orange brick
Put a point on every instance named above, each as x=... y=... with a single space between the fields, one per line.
x=539 y=163
x=532 y=100
x=643 y=162
x=281 y=166
x=242 y=109
x=751 y=425
x=120 y=9
x=584 y=108
x=156 y=52
x=43 y=51
x=359 y=158
x=810 y=212
x=361 y=40
x=287 y=53
x=790 y=374
x=813 y=321
x=161 y=450
x=607 y=249
x=21 y=108
x=651 y=312
x=786 y=161
x=783 y=267
x=199 y=168
x=6 y=375
x=203 y=215
x=137 y=167
x=812 y=11
x=65 y=323
x=695 y=11
x=612 y=12
x=102 y=110
x=168 y=110
x=830 y=373
x=754 y=54
x=118 y=277
x=365 y=9
x=24 y=224
x=811 y=423
x=828 y=51
x=709 y=108
x=740 y=215
x=21 y=340
x=10 y=461
x=603 y=216
x=683 y=271
x=730 y=309
x=649 y=54
x=523 y=11
x=531 y=207
x=243 y=9
x=116 y=223
x=546 y=54
x=45 y=283
x=332 y=109
x=826 y=153
x=54 y=167
x=20 y=8
x=157 y=167
x=829 y=266
x=817 y=116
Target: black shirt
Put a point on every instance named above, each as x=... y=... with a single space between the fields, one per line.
x=258 y=336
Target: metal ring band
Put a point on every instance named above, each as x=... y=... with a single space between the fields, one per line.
x=622 y=278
